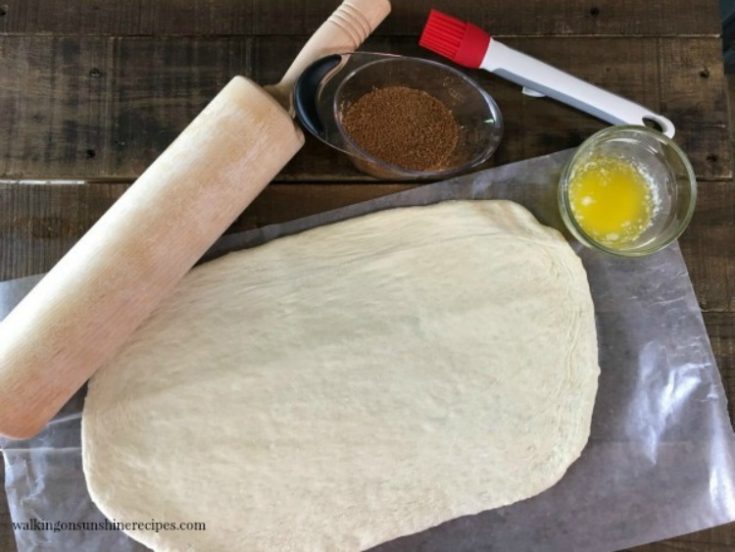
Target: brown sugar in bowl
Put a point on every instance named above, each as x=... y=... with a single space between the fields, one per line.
x=406 y=118
x=403 y=126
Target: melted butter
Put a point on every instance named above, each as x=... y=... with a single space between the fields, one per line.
x=611 y=200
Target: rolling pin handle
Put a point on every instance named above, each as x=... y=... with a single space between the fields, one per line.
x=343 y=33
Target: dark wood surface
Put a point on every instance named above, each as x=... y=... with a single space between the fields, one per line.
x=102 y=108
x=91 y=91
x=289 y=17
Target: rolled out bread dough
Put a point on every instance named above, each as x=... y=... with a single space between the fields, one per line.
x=351 y=384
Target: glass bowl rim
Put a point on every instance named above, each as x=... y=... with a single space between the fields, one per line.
x=566 y=209
x=410 y=173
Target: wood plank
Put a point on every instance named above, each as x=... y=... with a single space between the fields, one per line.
x=708 y=247
x=103 y=108
x=694 y=92
x=718 y=539
x=721 y=331
x=101 y=103
x=253 y=17
x=42 y=221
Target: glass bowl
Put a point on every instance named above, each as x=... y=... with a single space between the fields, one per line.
x=477 y=114
x=668 y=171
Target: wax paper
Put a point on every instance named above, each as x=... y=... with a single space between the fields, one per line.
x=660 y=460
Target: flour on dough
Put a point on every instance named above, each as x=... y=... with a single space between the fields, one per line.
x=351 y=384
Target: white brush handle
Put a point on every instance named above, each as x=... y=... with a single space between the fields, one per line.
x=546 y=80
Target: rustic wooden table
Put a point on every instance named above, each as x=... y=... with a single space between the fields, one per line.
x=92 y=91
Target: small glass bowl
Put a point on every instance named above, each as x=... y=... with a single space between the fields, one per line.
x=668 y=170
x=477 y=114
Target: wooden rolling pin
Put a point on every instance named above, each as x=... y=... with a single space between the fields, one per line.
x=87 y=306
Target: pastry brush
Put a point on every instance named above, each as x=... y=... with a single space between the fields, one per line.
x=470 y=46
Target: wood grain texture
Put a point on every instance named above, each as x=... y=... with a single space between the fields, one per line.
x=40 y=222
x=721 y=330
x=717 y=539
x=104 y=108
x=708 y=246
x=252 y=17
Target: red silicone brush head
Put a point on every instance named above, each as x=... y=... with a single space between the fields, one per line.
x=463 y=43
